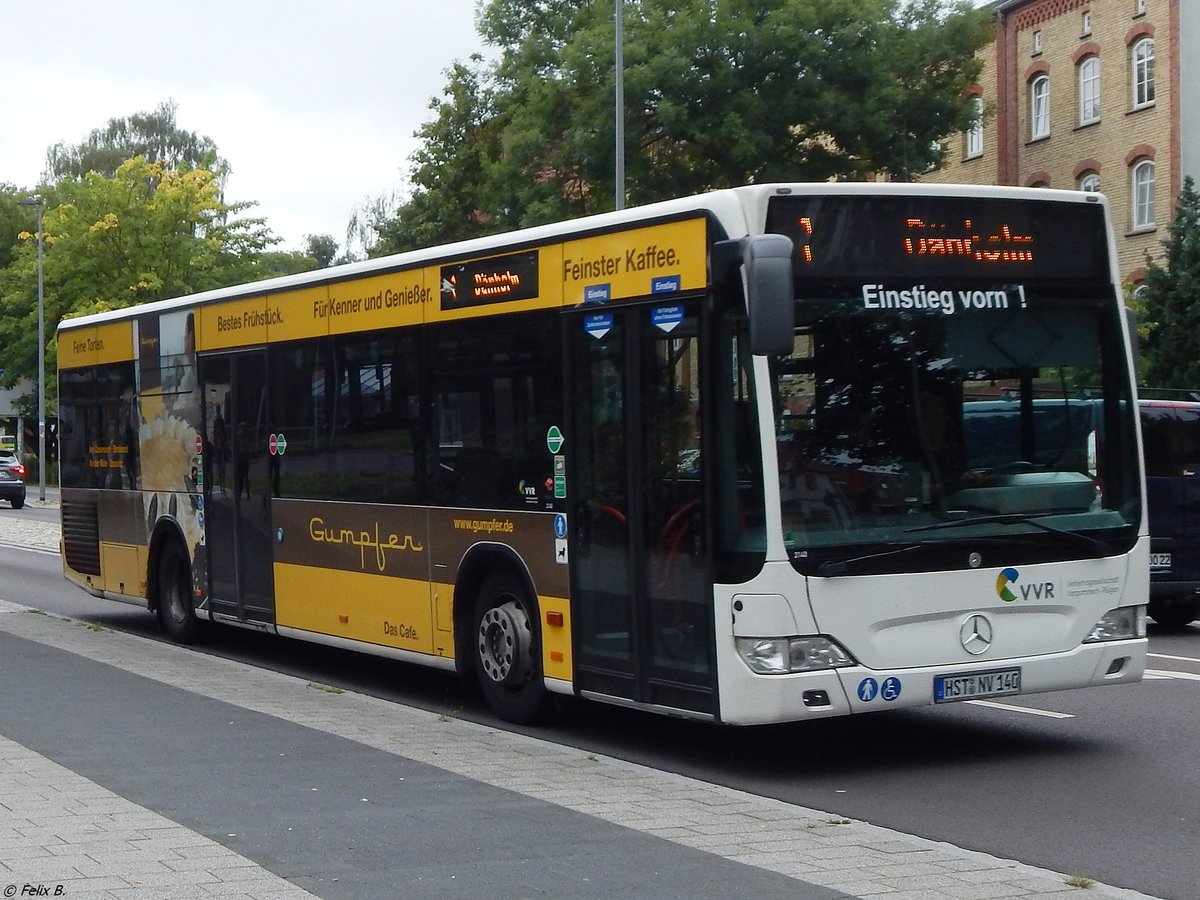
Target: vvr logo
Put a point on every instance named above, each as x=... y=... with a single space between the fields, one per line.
x=1009 y=576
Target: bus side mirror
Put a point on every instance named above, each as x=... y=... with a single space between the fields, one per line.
x=770 y=304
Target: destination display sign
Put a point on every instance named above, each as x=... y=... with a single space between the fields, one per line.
x=933 y=237
x=498 y=279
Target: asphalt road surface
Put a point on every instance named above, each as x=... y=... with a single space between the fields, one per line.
x=1100 y=783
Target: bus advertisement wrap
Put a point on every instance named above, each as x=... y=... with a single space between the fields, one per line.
x=768 y=454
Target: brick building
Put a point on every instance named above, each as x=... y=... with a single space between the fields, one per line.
x=1094 y=95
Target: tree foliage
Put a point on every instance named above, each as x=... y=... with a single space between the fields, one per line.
x=11 y=219
x=322 y=248
x=716 y=94
x=147 y=233
x=153 y=135
x=450 y=169
x=1171 y=301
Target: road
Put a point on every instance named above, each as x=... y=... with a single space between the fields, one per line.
x=1100 y=783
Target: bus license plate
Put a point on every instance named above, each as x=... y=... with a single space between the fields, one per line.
x=1160 y=560
x=950 y=688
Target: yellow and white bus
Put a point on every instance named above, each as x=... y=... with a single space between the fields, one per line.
x=702 y=457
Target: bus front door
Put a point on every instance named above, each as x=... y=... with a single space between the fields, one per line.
x=641 y=600
x=237 y=487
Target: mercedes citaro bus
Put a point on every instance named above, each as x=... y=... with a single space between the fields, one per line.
x=703 y=457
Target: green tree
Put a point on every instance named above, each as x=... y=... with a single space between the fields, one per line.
x=450 y=170
x=147 y=233
x=256 y=265
x=716 y=94
x=322 y=248
x=1171 y=301
x=153 y=135
x=13 y=221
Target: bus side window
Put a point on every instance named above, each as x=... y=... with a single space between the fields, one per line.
x=476 y=479
x=495 y=395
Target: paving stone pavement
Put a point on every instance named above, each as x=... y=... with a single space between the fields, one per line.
x=63 y=834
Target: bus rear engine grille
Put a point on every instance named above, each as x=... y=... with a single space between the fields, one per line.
x=81 y=537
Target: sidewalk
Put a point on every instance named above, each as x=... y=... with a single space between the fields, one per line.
x=133 y=768
x=22 y=530
x=32 y=495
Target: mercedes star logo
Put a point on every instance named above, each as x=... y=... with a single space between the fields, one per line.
x=976 y=635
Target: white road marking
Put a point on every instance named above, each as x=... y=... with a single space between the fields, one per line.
x=1022 y=709
x=1164 y=673
x=1178 y=658
x=11 y=545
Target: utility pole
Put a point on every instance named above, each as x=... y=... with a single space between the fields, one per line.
x=620 y=109
x=39 y=203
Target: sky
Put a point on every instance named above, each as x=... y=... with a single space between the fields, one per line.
x=314 y=104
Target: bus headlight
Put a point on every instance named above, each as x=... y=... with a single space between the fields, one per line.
x=780 y=656
x=1119 y=624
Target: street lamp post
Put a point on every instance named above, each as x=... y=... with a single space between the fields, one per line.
x=39 y=203
x=619 y=102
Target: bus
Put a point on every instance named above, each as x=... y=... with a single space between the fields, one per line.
x=703 y=457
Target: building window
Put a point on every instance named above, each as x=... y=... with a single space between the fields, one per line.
x=1085 y=24
x=1039 y=107
x=1143 y=73
x=1090 y=183
x=1139 y=7
x=1089 y=91
x=974 y=141
x=1037 y=42
x=1143 y=195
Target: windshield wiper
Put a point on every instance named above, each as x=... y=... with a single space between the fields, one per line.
x=838 y=566
x=1019 y=519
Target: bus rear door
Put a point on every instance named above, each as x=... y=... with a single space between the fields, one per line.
x=237 y=487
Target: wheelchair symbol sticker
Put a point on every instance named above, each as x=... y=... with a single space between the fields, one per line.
x=867 y=689
x=890 y=689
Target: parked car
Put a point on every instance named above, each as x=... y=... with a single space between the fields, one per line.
x=12 y=479
x=1171 y=441
x=9 y=460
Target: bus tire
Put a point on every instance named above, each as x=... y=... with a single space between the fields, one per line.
x=507 y=654
x=174 y=602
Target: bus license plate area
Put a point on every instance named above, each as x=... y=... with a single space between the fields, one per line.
x=1160 y=560
x=976 y=685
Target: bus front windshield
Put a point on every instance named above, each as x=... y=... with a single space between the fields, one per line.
x=905 y=438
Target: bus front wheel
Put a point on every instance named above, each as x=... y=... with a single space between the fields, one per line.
x=506 y=650
x=175 y=610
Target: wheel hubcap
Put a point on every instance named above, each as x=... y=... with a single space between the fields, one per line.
x=505 y=638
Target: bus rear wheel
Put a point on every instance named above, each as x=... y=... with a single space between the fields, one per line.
x=506 y=650
x=175 y=610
